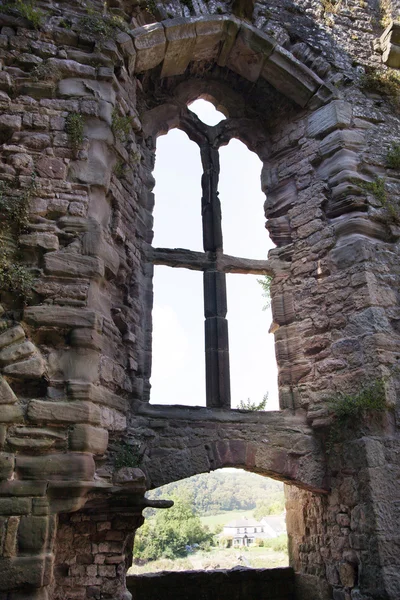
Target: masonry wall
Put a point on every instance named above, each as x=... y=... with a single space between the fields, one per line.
x=82 y=103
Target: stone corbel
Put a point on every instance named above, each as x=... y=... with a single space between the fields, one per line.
x=389 y=45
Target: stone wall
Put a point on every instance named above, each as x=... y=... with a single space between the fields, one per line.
x=84 y=95
x=237 y=584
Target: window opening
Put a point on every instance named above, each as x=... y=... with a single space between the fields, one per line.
x=214 y=515
x=251 y=347
x=178 y=171
x=242 y=202
x=212 y=261
x=177 y=375
x=206 y=112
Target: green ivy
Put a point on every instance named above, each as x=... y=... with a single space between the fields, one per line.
x=385 y=83
x=378 y=189
x=121 y=125
x=349 y=410
x=126 y=455
x=25 y=9
x=103 y=27
x=74 y=124
x=14 y=277
x=393 y=157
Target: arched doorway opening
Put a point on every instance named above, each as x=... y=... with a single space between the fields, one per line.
x=219 y=520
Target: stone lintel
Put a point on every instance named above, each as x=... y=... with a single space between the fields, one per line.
x=150 y=43
x=181 y=40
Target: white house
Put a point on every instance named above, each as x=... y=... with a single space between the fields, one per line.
x=244 y=532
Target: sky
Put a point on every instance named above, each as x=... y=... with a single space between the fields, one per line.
x=178 y=372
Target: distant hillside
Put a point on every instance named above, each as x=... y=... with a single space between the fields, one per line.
x=224 y=490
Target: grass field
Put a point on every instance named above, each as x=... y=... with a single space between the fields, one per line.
x=217 y=558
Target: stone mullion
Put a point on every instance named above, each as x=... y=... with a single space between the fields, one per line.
x=218 y=393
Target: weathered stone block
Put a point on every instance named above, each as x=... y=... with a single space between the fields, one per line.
x=70 y=466
x=181 y=40
x=62 y=316
x=7 y=396
x=336 y=115
x=209 y=34
x=25 y=571
x=14 y=506
x=11 y=336
x=290 y=77
x=85 y=438
x=33 y=368
x=150 y=44
x=46 y=241
x=32 y=534
x=63 y=412
x=16 y=352
x=6 y=465
x=250 y=51
x=10 y=413
x=73 y=265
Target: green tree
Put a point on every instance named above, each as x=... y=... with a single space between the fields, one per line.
x=265 y=283
x=269 y=507
x=249 y=405
x=171 y=531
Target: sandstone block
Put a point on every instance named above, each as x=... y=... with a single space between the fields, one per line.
x=63 y=412
x=33 y=368
x=71 y=68
x=336 y=115
x=231 y=29
x=249 y=52
x=181 y=39
x=10 y=413
x=32 y=534
x=7 y=396
x=70 y=466
x=10 y=539
x=290 y=77
x=11 y=336
x=6 y=465
x=15 y=506
x=24 y=571
x=62 y=316
x=85 y=438
x=47 y=241
x=150 y=44
x=73 y=265
x=50 y=167
x=209 y=34
x=16 y=352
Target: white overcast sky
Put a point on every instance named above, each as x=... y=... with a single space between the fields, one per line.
x=178 y=373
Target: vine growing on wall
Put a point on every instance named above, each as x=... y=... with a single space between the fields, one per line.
x=14 y=205
x=349 y=411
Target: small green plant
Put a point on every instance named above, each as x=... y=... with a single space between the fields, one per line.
x=14 y=277
x=393 y=157
x=253 y=406
x=349 y=410
x=385 y=9
x=151 y=6
x=378 y=189
x=265 y=283
x=383 y=82
x=121 y=125
x=74 y=127
x=27 y=10
x=127 y=455
x=119 y=169
x=331 y=6
x=103 y=26
x=46 y=72
x=14 y=206
x=188 y=4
